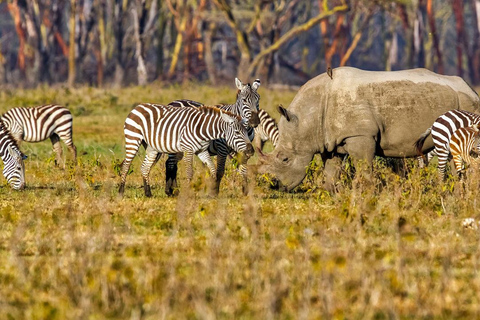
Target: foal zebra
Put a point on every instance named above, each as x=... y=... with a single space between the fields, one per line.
x=39 y=123
x=12 y=157
x=464 y=141
x=266 y=130
x=442 y=130
x=247 y=107
x=167 y=129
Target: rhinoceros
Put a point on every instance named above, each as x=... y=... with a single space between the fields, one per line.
x=363 y=114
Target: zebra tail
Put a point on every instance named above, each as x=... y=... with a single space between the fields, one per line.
x=421 y=140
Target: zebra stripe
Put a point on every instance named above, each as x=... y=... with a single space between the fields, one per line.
x=12 y=157
x=442 y=131
x=267 y=129
x=39 y=123
x=247 y=107
x=464 y=141
x=167 y=129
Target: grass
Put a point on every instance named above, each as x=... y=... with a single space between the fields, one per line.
x=389 y=247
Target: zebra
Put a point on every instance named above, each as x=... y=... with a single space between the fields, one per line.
x=464 y=141
x=41 y=122
x=12 y=157
x=441 y=131
x=266 y=130
x=166 y=129
x=246 y=106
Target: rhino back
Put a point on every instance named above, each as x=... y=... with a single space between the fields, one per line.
x=394 y=107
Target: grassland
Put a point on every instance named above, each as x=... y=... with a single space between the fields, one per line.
x=394 y=247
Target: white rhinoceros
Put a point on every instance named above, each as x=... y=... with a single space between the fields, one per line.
x=363 y=114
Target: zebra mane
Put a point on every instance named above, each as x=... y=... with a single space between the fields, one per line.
x=6 y=131
x=216 y=111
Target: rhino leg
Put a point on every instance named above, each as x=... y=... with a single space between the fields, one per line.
x=331 y=172
x=361 y=148
x=362 y=151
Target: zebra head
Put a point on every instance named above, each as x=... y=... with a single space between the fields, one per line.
x=236 y=135
x=248 y=100
x=13 y=167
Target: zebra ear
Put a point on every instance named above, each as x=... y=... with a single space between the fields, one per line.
x=226 y=117
x=12 y=152
x=256 y=84
x=238 y=83
x=287 y=114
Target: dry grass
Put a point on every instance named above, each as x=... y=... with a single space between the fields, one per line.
x=389 y=247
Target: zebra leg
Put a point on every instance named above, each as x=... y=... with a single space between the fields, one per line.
x=243 y=172
x=189 y=165
x=150 y=160
x=66 y=137
x=206 y=159
x=457 y=160
x=221 y=160
x=131 y=149
x=57 y=148
x=442 y=162
x=171 y=168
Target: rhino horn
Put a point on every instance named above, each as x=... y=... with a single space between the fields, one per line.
x=263 y=158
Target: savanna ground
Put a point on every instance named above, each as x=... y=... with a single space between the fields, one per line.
x=393 y=247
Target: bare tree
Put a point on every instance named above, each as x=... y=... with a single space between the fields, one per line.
x=433 y=32
x=71 y=51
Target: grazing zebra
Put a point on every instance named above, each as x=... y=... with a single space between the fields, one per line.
x=12 y=157
x=167 y=129
x=266 y=130
x=442 y=130
x=39 y=123
x=246 y=106
x=464 y=141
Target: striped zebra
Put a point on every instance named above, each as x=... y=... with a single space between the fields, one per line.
x=167 y=129
x=441 y=131
x=12 y=157
x=39 y=123
x=464 y=141
x=246 y=106
x=266 y=130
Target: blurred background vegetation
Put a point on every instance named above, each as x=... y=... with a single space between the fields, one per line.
x=123 y=42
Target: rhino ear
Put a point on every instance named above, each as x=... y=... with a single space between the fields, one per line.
x=287 y=114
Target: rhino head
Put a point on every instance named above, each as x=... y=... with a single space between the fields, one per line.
x=294 y=151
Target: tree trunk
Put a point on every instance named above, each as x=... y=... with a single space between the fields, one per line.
x=161 y=25
x=2 y=67
x=71 y=51
x=178 y=47
x=433 y=32
x=15 y=13
x=118 y=31
x=242 y=40
x=141 y=68
x=475 y=6
x=459 y=26
x=212 y=73
x=419 y=32
x=409 y=36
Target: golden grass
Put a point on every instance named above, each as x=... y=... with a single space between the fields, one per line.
x=389 y=247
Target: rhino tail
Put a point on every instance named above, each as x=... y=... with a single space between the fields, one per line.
x=421 y=140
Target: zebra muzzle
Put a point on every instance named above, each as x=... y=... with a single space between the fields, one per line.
x=250 y=151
